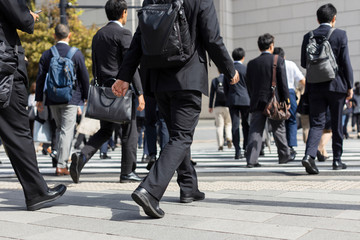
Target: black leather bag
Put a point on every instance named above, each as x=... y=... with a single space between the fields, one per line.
x=102 y=104
x=276 y=110
x=8 y=66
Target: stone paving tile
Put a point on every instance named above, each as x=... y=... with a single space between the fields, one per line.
x=20 y=230
x=349 y=214
x=322 y=196
x=253 y=229
x=317 y=222
x=16 y=216
x=320 y=234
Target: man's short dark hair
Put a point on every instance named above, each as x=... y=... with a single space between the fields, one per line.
x=115 y=8
x=62 y=31
x=326 y=13
x=264 y=41
x=238 y=54
x=279 y=51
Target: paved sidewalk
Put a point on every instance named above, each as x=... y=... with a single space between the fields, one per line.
x=237 y=206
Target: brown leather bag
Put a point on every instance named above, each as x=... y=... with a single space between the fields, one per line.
x=276 y=110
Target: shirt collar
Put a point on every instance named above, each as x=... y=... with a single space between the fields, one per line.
x=266 y=52
x=63 y=42
x=325 y=24
x=117 y=22
x=238 y=62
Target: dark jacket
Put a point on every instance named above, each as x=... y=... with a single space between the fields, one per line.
x=259 y=78
x=15 y=15
x=109 y=46
x=237 y=94
x=219 y=102
x=205 y=33
x=82 y=76
x=339 y=44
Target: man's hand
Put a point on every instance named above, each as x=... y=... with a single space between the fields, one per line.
x=120 y=87
x=210 y=110
x=35 y=16
x=350 y=93
x=40 y=106
x=141 y=103
x=235 y=79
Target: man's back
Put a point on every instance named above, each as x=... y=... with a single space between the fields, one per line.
x=237 y=94
x=339 y=44
x=109 y=46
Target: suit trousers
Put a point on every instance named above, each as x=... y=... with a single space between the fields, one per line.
x=181 y=110
x=222 y=119
x=319 y=103
x=235 y=113
x=65 y=118
x=257 y=125
x=291 y=124
x=128 y=142
x=18 y=143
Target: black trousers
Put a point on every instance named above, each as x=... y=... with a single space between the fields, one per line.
x=236 y=112
x=181 y=110
x=128 y=142
x=18 y=143
x=319 y=103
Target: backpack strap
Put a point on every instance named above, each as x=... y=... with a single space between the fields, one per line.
x=71 y=52
x=54 y=51
x=311 y=34
x=330 y=32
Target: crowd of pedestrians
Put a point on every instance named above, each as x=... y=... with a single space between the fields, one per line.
x=173 y=102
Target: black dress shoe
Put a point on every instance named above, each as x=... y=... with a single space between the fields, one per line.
x=320 y=157
x=338 y=165
x=104 y=156
x=189 y=197
x=150 y=204
x=238 y=155
x=51 y=195
x=309 y=164
x=151 y=162
x=292 y=158
x=77 y=163
x=131 y=177
x=292 y=153
x=253 y=165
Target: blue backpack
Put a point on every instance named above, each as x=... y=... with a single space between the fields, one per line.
x=60 y=80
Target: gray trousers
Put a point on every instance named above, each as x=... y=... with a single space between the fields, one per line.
x=65 y=118
x=257 y=125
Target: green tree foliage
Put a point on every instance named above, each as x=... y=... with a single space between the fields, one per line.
x=43 y=37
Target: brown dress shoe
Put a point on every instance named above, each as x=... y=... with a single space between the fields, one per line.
x=61 y=171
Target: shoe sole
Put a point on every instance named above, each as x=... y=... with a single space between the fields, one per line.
x=39 y=205
x=190 y=200
x=308 y=168
x=73 y=169
x=129 y=181
x=145 y=204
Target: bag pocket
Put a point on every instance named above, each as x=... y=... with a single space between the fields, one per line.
x=6 y=83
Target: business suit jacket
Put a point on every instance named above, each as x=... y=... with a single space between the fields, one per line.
x=82 y=76
x=205 y=34
x=109 y=47
x=237 y=94
x=259 y=77
x=339 y=44
x=15 y=15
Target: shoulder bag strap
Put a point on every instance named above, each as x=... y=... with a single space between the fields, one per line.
x=273 y=82
x=329 y=33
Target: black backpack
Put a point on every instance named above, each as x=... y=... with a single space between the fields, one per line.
x=321 y=64
x=165 y=34
x=220 y=92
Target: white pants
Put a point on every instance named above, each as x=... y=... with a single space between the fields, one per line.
x=222 y=117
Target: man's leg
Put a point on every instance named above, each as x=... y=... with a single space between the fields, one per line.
x=291 y=125
x=279 y=132
x=235 y=121
x=65 y=117
x=253 y=148
x=245 y=111
x=181 y=110
x=228 y=125
x=128 y=147
x=219 y=123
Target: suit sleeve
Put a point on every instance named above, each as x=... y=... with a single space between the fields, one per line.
x=82 y=74
x=17 y=13
x=210 y=33
x=131 y=59
x=303 y=51
x=41 y=76
x=281 y=81
x=345 y=64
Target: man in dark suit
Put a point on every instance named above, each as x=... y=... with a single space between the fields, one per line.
x=331 y=93
x=259 y=77
x=238 y=101
x=178 y=93
x=64 y=113
x=14 y=121
x=108 y=49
